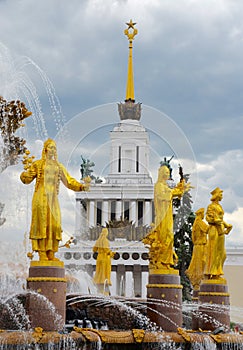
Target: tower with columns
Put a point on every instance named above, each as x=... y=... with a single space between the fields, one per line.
x=127 y=193
x=124 y=201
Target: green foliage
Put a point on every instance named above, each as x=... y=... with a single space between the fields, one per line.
x=183 y=221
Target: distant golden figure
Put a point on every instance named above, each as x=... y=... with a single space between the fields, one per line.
x=45 y=230
x=218 y=228
x=103 y=262
x=163 y=196
x=196 y=268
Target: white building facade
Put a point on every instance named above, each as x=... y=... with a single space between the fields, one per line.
x=125 y=199
x=127 y=192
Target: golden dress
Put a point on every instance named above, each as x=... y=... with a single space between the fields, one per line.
x=45 y=230
x=196 y=268
x=163 y=196
x=216 y=253
x=103 y=262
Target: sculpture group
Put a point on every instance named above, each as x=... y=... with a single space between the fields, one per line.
x=209 y=252
x=208 y=238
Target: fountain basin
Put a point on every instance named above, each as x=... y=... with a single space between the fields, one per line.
x=87 y=338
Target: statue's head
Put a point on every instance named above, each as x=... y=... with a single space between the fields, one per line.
x=200 y=212
x=163 y=173
x=217 y=194
x=102 y=241
x=104 y=232
x=49 y=146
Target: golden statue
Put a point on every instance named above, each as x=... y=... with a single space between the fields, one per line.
x=103 y=264
x=161 y=239
x=218 y=228
x=45 y=230
x=196 y=268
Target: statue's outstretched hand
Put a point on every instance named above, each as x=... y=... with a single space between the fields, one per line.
x=186 y=186
x=87 y=181
x=228 y=228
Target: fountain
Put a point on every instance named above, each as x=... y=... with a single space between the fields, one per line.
x=43 y=317
x=39 y=314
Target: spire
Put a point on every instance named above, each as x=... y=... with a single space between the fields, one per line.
x=130 y=32
x=130 y=110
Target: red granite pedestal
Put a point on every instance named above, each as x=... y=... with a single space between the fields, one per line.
x=47 y=278
x=214 y=305
x=164 y=299
x=195 y=295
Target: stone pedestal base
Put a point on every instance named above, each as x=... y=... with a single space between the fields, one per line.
x=195 y=295
x=214 y=305
x=47 y=279
x=164 y=300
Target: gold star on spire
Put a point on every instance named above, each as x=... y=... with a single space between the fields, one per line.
x=131 y=24
x=130 y=32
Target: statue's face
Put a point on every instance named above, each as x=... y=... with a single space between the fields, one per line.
x=164 y=173
x=104 y=232
x=201 y=215
x=51 y=150
x=220 y=196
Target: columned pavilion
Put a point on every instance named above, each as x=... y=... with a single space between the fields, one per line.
x=124 y=199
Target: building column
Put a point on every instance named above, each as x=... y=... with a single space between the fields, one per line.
x=129 y=284
x=84 y=228
x=105 y=213
x=148 y=212
x=120 y=280
x=113 y=283
x=133 y=211
x=78 y=218
x=92 y=214
x=142 y=160
x=145 y=275
x=118 y=209
x=137 y=275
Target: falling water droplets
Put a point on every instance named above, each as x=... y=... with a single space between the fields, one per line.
x=17 y=83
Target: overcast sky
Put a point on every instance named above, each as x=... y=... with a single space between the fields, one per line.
x=68 y=61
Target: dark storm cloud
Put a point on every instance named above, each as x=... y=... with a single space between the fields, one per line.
x=187 y=55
